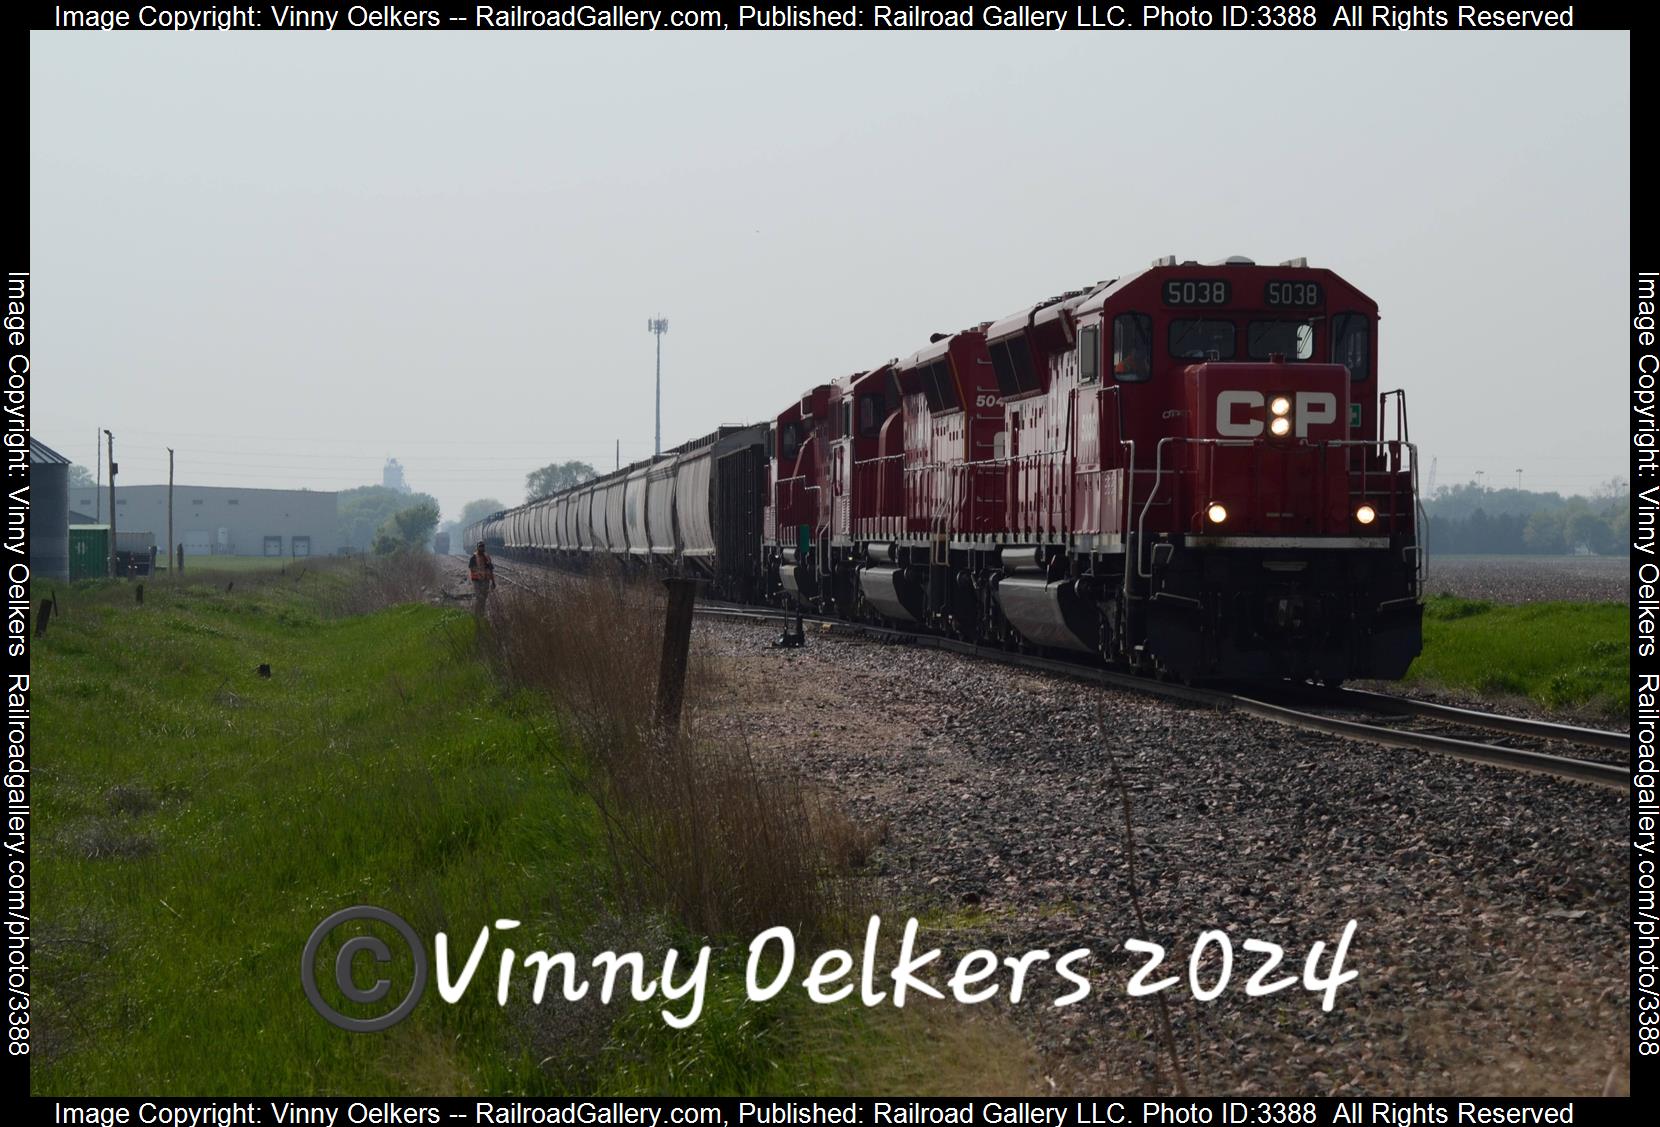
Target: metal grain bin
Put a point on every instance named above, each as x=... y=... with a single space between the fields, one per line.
x=48 y=512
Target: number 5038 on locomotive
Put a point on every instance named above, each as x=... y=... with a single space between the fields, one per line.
x=1190 y=470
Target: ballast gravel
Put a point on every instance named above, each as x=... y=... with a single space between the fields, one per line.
x=1490 y=948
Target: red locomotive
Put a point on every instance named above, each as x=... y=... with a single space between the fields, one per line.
x=1184 y=470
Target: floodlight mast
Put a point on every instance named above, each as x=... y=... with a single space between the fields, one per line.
x=657 y=326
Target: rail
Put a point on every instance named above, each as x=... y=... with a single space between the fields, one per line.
x=1612 y=775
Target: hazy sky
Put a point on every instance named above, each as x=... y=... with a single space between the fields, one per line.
x=292 y=255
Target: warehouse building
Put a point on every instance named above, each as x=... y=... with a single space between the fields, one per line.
x=220 y=521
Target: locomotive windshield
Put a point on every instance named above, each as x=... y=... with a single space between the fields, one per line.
x=1292 y=339
x=1201 y=340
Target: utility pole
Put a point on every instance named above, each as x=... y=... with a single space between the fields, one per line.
x=111 y=437
x=98 y=482
x=1518 y=479
x=171 y=573
x=619 y=454
x=657 y=326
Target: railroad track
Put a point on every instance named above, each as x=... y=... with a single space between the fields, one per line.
x=1537 y=746
x=1549 y=754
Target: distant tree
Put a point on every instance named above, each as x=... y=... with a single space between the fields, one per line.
x=416 y=524
x=409 y=529
x=1543 y=534
x=1590 y=531
x=476 y=510
x=363 y=511
x=81 y=478
x=556 y=476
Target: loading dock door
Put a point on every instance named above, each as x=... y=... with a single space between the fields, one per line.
x=198 y=543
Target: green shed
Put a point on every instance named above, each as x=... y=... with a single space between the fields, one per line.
x=89 y=551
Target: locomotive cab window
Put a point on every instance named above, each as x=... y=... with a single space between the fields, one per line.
x=869 y=415
x=1089 y=354
x=938 y=386
x=790 y=444
x=1011 y=359
x=1132 y=347
x=1293 y=340
x=1351 y=344
x=1194 y=339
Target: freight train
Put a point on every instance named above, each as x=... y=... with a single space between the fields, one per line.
x=1189 y=471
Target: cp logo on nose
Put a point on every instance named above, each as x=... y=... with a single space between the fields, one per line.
x=1239 y=412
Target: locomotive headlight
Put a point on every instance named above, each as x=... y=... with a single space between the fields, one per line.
x=1280 y=426
x=1280 y=406
x=1366 y=514
x=1216 y=513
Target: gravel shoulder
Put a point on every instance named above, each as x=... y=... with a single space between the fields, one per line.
x=1490 y=943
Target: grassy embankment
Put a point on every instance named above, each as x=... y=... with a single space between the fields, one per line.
x=1571 y=657
x=195 y=821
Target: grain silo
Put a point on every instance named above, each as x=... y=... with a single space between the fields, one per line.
x=48 y=512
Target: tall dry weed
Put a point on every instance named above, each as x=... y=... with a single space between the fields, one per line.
x=378 y=582
x=697 y=827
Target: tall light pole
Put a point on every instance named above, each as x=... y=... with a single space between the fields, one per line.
x=172 y=572
x=111 y=437
x=657 y=326
x=1480 y=488
x=1518 y=479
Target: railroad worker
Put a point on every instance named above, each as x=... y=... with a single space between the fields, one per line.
x=481 y=569
x=1129 y=363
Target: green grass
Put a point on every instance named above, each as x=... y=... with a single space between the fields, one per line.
x=1565 y=656
x=193 y=564
x=195 y=822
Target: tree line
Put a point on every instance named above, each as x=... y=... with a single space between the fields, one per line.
x=1470 y=520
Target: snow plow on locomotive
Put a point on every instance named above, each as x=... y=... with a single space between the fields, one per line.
x=1183 y=471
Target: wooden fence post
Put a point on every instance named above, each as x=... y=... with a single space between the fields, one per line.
x=677 y=641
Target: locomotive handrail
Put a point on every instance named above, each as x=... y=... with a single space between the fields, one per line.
x=1158 y=481
x=1394 y=445
x=1401 y=427
x=1420 y=525
x=1130 y=543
